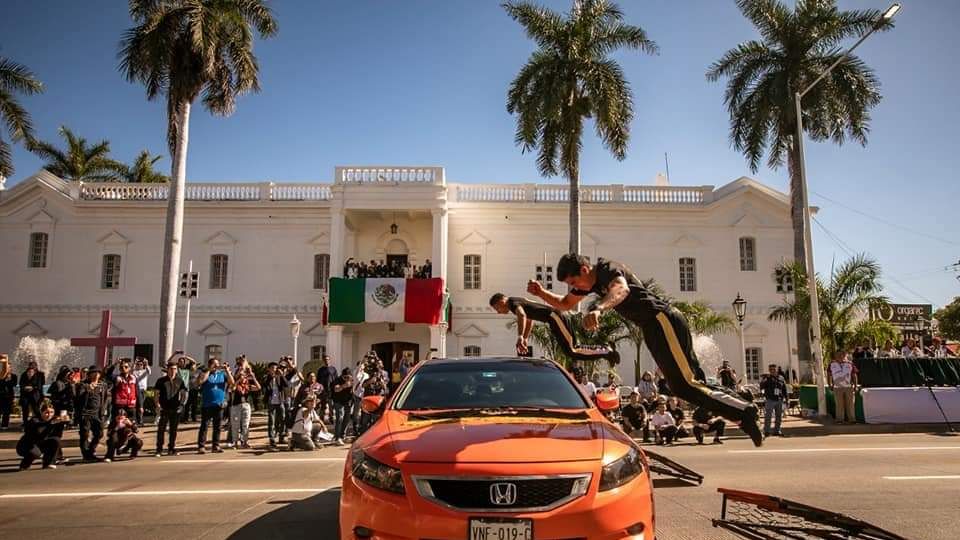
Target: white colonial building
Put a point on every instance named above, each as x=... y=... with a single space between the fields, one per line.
x=265 y=251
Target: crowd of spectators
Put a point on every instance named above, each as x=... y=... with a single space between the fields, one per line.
x=381 y=269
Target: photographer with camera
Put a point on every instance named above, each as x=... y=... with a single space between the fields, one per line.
x=171 y=394
x=123 y=436
x=307 y=426
x=187 y=371
x=240 y=408
x=92 y=400
x=774 y=388
x=275 y=384
x=141 y=371
x=342 y=397
x=375 y=385
x=213 y=383
x=325 y=377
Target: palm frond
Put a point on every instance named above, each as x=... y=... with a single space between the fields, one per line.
x=541 y=24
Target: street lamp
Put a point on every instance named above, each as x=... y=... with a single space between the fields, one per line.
x=920 y=325
x=295 y=333
x=740 y=310
x=816 y=351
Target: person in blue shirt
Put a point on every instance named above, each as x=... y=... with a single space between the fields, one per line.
x=214 y=384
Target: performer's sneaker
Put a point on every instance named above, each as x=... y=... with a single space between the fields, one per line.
x=613 y=358
x=751 y=426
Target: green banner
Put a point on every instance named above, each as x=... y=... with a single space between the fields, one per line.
x=346 y=301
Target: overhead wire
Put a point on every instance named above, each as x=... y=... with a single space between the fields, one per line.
x=885 y=222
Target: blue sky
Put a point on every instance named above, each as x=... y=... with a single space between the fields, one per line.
x=424 y=82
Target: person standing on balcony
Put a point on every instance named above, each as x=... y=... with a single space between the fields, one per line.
x=665 y=331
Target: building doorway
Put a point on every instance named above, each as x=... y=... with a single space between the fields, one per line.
x=400 y=260
x=391 y=352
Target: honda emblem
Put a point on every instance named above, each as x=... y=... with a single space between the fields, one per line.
x=503 y=494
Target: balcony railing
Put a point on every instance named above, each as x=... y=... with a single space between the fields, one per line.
x=113 y=191
x=389 y=175
x=616 y=193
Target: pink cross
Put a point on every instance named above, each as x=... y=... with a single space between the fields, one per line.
x=104 y=340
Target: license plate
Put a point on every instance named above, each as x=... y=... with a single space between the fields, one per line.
x=500 y=529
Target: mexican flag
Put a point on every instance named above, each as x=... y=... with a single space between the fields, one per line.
x=394 y=300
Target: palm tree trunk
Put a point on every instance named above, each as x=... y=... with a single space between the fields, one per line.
x=575 y=209
x=173 y=234
x=800 y=256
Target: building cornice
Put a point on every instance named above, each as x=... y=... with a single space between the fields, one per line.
x=155 y=308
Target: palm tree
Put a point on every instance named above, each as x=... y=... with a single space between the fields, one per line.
x=763 y=75
x=703 y=319
x=15 y=78
x=142 y=171
x=568 y=79
x=182 y=49
x=846 y=300
x=79 y=161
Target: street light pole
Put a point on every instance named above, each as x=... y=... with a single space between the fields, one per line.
x=816 y=351
x=295 y=333
x=740 y=310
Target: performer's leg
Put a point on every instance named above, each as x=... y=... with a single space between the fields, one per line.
x=671 y=345
x=563 y=331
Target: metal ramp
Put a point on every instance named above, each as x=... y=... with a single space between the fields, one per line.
x=763 y=517
x=664 y=466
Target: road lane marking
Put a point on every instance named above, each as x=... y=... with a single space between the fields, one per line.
x=253 y=461
x=940 y=477
x=157 y=493
x=852 y=449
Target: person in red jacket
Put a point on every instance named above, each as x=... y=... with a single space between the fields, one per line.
x=124 y=388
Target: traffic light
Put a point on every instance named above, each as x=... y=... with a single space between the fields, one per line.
x=189 y=284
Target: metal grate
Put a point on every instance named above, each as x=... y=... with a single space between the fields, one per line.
x=762 y=517
x=475 y=494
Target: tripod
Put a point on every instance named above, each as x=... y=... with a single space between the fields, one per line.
x=929 y=383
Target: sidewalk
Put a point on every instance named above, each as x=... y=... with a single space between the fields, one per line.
x=797 y=426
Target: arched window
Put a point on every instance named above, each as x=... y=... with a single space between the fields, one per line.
x=218 y=271
x=212 y=351
x=471 y=272
x=110 y=276
x=321 y=271
x=38 y=249
x=748 y=254
x=471 y=350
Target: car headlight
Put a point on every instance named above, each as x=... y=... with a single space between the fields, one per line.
x=621 y=471
x=372 y=472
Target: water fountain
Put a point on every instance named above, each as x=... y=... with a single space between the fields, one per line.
x=709 y=354
x=49 y=354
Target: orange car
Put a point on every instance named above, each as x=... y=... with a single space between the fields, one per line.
x=493 y=449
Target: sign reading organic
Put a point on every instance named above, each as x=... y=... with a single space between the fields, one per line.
x=904 y=315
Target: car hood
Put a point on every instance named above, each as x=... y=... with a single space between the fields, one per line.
x=495 y=440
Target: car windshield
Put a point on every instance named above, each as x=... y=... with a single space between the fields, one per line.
x=471 y=384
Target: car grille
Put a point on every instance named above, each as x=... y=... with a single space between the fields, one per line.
x=538 y=493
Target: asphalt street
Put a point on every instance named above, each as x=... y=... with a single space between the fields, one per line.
x=907 y=483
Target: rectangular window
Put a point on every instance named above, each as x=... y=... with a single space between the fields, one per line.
x=471 y=272
x=321 y=271
x=316 y=352
x=784 y=281
x=212 y=351
x=218 y=271
x=748 y=255
x=544 y=274
x=688 y=274
x=110 y=277
x=38 y=250
x=471 y=350
x=754 y=359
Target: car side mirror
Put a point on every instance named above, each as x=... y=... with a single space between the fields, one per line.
x=371 y=404
x=608 y=401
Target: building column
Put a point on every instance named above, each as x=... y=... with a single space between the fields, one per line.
x=438 y=339
x=335 y=346
x=438 y=255
x=338 y=229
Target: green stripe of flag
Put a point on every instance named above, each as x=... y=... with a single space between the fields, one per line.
x=346 y=301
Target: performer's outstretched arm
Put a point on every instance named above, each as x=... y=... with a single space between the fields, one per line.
x=563 y=303
x=522 y=329
x=617 y=292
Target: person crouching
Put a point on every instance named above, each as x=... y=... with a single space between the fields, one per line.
x=307 y=426
x=41 y=437
x=123 y=436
